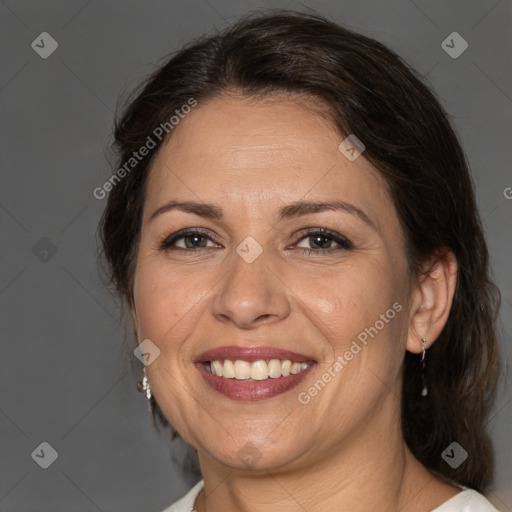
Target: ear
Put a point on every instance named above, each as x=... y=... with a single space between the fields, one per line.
x=432 y=299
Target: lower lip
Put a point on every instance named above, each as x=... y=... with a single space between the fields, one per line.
x=252 y=390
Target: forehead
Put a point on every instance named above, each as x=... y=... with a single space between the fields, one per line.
x=245 y=151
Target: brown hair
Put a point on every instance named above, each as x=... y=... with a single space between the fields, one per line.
x=372 y=93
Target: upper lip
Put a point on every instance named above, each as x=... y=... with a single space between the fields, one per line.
x=250 y=354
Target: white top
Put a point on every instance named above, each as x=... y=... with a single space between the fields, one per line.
x=466 y=501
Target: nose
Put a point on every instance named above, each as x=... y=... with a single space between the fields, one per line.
x=251 y=294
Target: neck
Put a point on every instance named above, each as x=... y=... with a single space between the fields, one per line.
x=372 y=469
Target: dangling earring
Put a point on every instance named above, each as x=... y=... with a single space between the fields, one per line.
x=143 y=386
x=424 y=390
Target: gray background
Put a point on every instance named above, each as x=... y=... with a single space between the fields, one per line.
x=65 y=375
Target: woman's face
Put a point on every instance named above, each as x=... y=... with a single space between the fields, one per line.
x=271 y=276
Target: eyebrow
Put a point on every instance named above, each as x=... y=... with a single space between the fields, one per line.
x=210 y=211
x=293 y=210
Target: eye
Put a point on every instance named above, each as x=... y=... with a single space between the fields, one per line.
x=189 y=239
x=321 y=241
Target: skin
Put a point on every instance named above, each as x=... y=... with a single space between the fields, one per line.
x=344 y=450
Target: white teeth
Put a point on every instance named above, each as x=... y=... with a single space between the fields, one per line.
x=229 y=370
x=274 y=368
x=216 y=368
x=258 y=370
x=295 y=368
x=242 y=369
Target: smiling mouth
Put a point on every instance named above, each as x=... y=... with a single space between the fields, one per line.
x=259 y=370
x=253 y=373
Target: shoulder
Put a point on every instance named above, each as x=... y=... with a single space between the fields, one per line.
x=186 y=504
x=466 y=501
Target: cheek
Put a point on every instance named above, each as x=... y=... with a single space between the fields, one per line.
x=359 y=312
x=163 y=301
x=348 y=299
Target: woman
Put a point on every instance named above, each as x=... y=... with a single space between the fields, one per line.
x=293 y=227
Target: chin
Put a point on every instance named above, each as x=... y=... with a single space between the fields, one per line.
x=257 y=456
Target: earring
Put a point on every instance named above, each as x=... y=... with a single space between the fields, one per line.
x=143 y=386
x=424 y=390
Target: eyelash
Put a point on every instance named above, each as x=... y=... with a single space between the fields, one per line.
x=343 y=242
